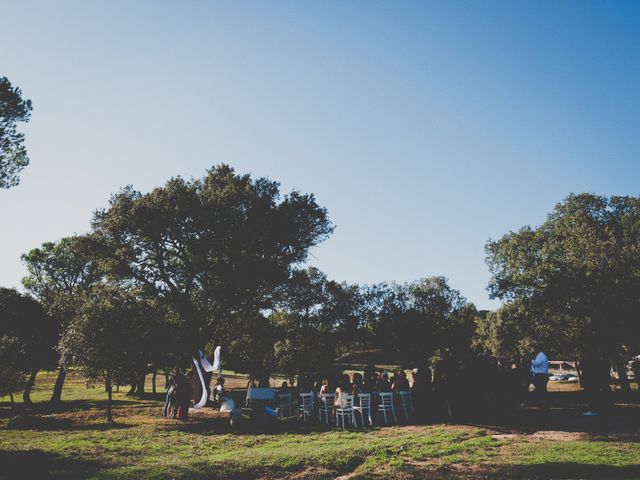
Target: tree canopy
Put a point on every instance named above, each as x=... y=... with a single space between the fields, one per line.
x=418 y=318
x=29 y=333
x=59 y=273
x=577 y=276
x=13 y=154
x=209 y=247
x=110 y=336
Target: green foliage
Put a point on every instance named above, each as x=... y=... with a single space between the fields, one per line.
x=13 y=154
x=60 y=272
x=313 y=316
x=248 y=341
x=575 y=279
x=23 y=318
x=509 y=332
x=12 y=376
x=110 y=336
x=210 y=247
x=416 y=319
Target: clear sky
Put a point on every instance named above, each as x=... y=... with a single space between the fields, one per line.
x=425 y=128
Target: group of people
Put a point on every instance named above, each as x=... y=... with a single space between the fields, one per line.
x=373 y=381
x=178 y=397
x=455 y=388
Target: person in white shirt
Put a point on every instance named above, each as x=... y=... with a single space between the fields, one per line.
x=540 y=374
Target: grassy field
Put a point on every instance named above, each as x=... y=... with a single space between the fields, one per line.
x=75 y=442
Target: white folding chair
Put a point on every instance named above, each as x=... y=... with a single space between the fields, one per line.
x=345 y=409
x=305 y=410
x=405 y=404
x=284 y=405
x=326 y=406
x=386 y=406
x=364 y=407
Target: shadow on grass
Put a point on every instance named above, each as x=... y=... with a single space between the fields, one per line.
x=46 y=408
x=63 y=424
x=566 y=470
x=37 y=464
x=244 y=426
x=231 y=471
x=565 y=414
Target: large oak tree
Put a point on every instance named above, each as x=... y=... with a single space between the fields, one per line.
x=212 y=247
x=577 y=275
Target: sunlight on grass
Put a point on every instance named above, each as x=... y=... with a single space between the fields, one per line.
x=79 y=444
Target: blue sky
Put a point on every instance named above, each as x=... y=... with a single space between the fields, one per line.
x=425 y=128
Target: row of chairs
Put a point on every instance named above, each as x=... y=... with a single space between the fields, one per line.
x=347 y=410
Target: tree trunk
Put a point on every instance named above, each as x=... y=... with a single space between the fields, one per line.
x=153 y=381
x=57 y=389
x=166 y=381
x=140 y=387
x=622 y=375
x=132 y=390
x=13 y=403
x=109 y=394
x=579 y=372
x=26 y=395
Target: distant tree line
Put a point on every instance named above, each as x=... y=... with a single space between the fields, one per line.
x=220 y=260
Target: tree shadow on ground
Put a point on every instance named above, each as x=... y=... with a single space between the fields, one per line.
x=46 y=408
x=566 y=470
x=263 y=425
x=63 y=424
x=204 y=471
x=37 y=464
x=565 y=413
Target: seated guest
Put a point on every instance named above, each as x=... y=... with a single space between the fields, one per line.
x=383 y=385
x=400 y=382
x=284 y=389
x=374 y=383
x=370 y=377
x=343 y=387
x=264 y=382
x=324 y=388
x=358 y=385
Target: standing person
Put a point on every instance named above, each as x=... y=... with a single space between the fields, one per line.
x=540 y=374
x=444 y=382
x=596 y=379
x=519 y=379
x=217 y=392
x=170 y=403
x=634 y=364
x=183 y=397
x=370 y=377
x=421 y=393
